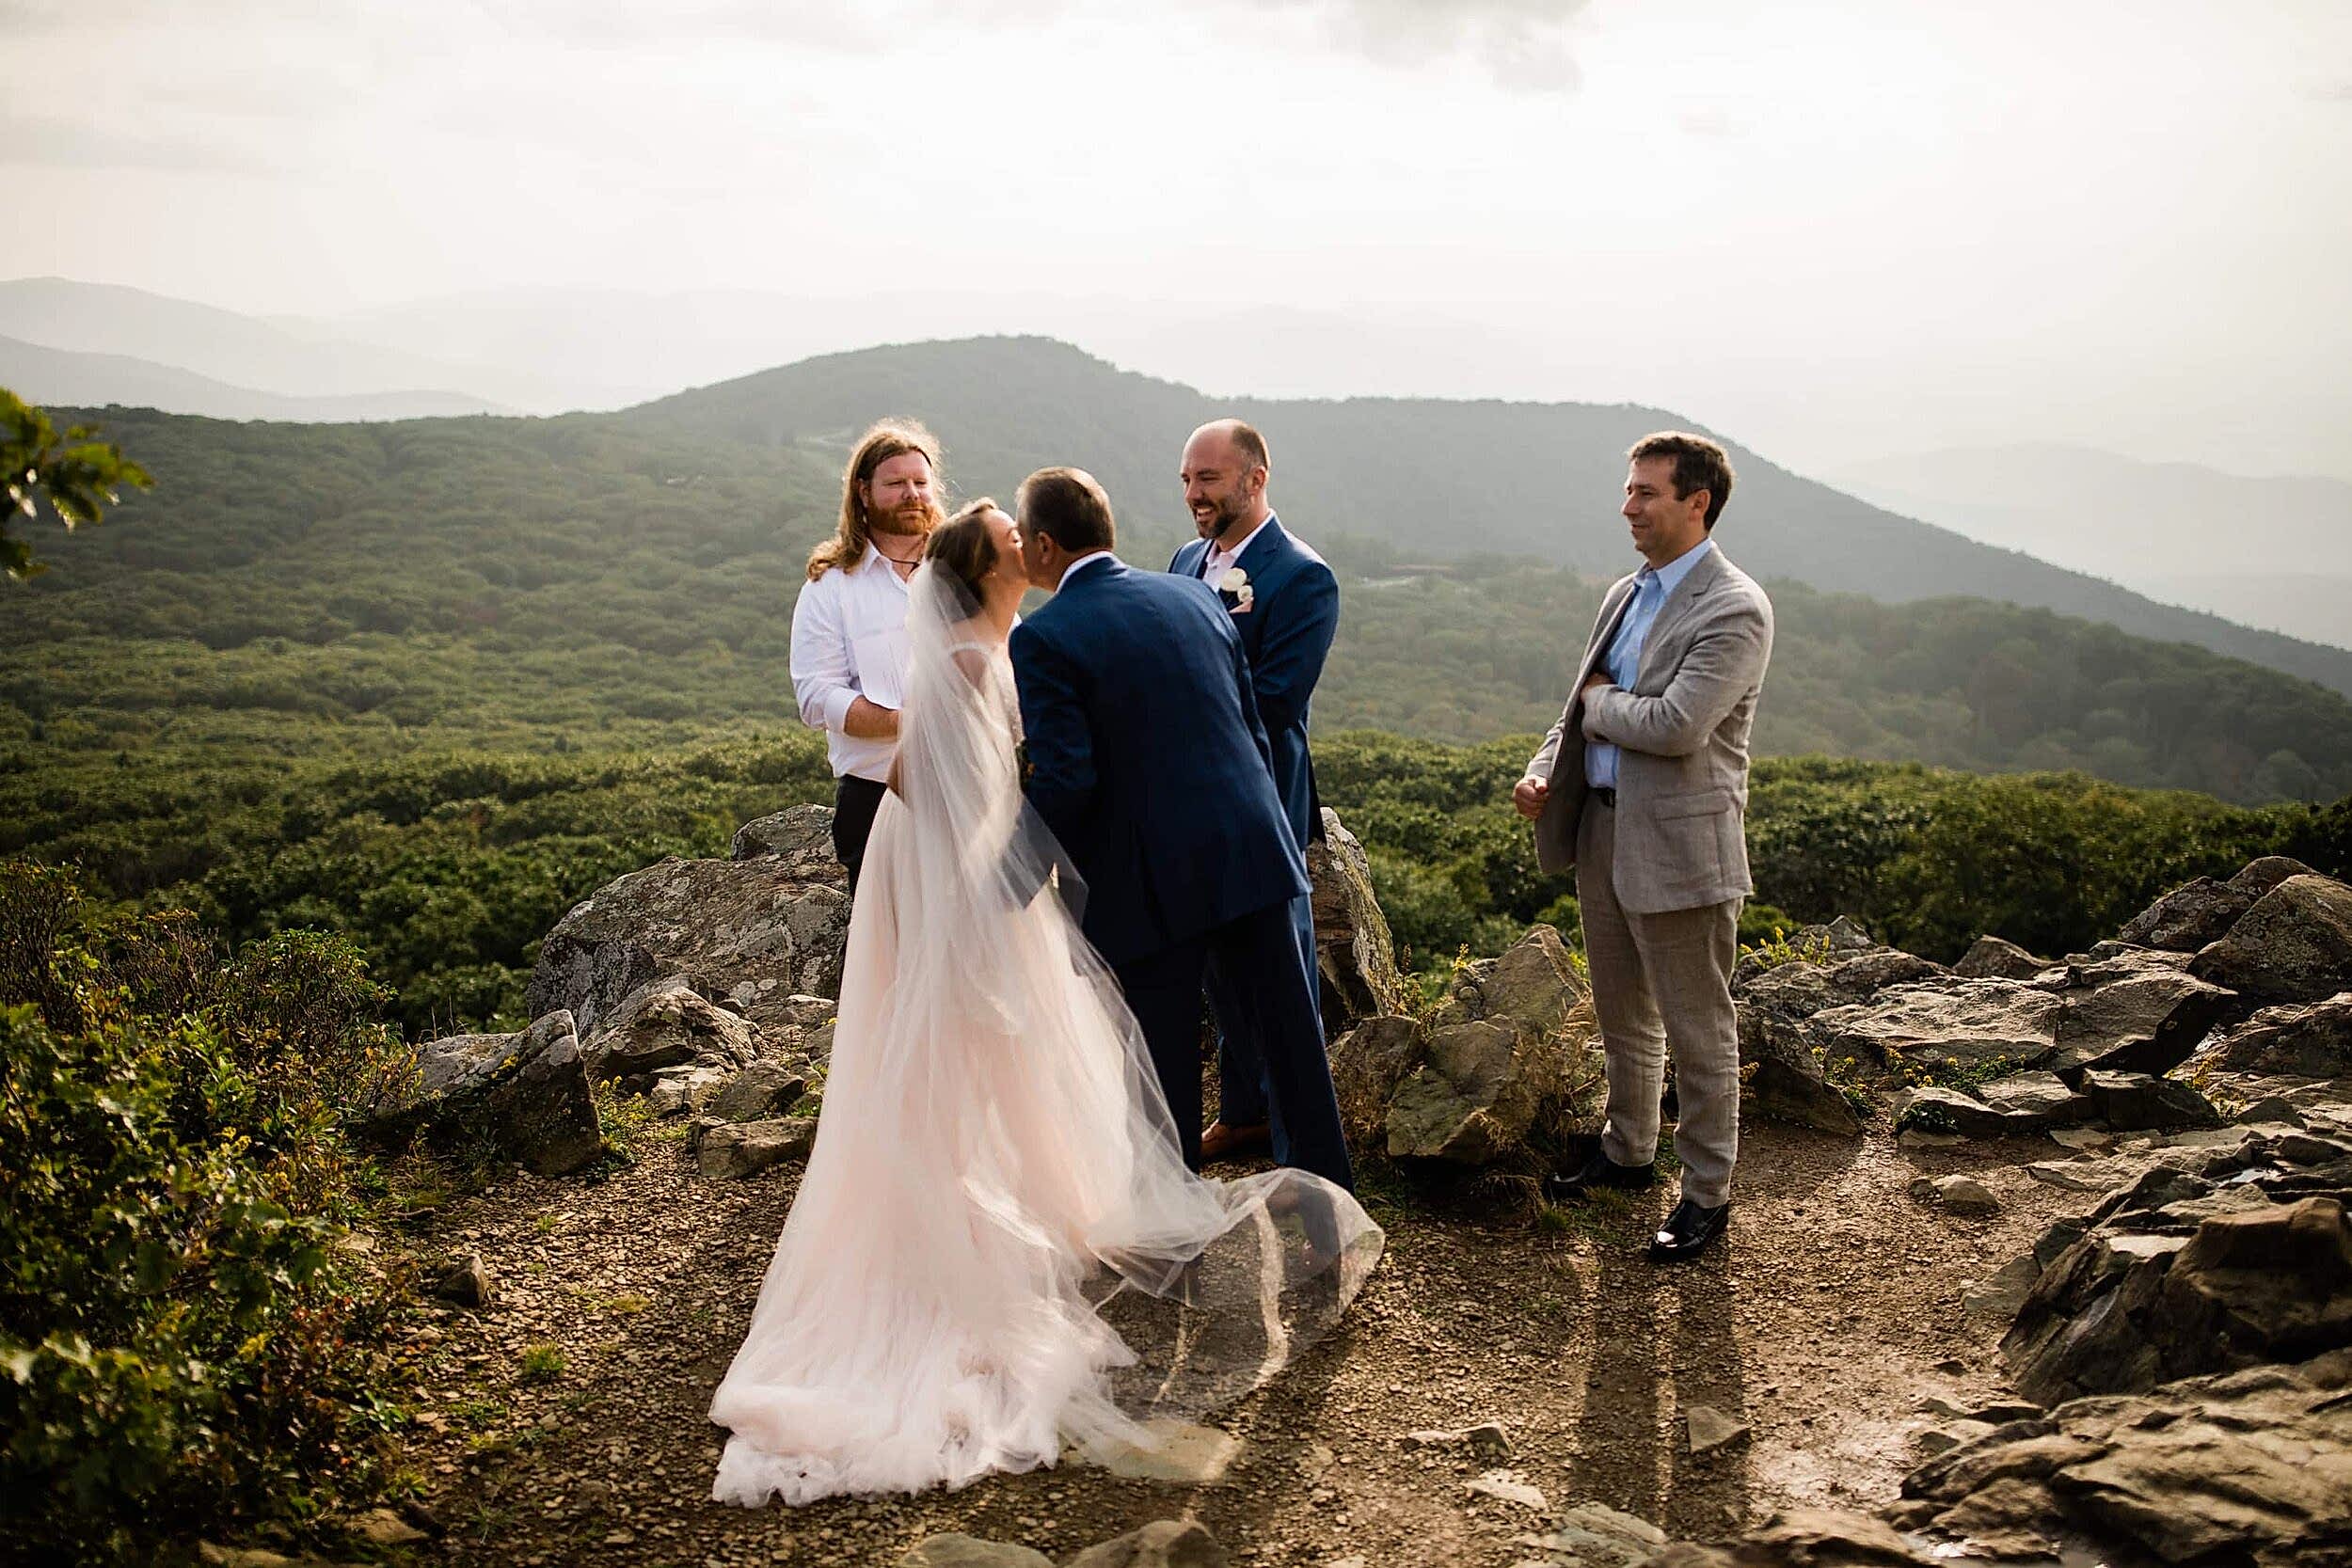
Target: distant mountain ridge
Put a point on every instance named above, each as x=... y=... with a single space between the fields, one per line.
x=59 y=376
x=2163 y=529
x=1427 y=477
x=241 y=350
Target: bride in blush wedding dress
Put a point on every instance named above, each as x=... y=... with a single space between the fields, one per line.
x=996 y=1250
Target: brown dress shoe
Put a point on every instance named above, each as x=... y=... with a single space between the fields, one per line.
x=1221 y=1142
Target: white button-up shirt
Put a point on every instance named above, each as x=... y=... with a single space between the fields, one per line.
x=850 y=641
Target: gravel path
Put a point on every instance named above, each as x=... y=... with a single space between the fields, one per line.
x=1831 y=1311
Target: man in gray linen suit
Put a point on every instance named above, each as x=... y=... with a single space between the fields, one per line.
x=1643 y=787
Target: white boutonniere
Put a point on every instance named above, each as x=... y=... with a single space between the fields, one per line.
x=1236 y=582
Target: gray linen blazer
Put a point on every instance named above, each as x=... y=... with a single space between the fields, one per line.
x=1682 y=734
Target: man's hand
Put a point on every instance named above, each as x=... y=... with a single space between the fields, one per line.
x=1530 y=797
x=1599 y=677
x=870 y=720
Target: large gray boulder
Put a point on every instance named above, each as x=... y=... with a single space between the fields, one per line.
x=799 y=836
x=522 y=1098
x=1970 y=1028
x=2133 y=1010
x=2292 y=1042
x=1353 y=947
x=2294 y=945
x=667 y=1023
x=740 y=1148
x=1367 y=1065
x=1499 y=1062
x=760 y=931
x=2201 y=912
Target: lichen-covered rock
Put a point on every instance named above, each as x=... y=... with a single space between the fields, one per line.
x=762 y=1091
x=1499 y=1061
x=1367 y=1065
x=2201 y=912
x=761 y=927
x=1353 y=948
x=2132 y=1011
x=522 y=1098
x=2294 y=945
x=800 y=836
x=2134 y=1102
x=1163 y=1544
x=1967 y=1026
x=667 y=1023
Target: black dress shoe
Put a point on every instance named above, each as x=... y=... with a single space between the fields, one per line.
x=1688 y=1231
x=1598 y=1171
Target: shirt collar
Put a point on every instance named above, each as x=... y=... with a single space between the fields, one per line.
x=1670 y=575
x=1078 y=566
x=873 y=557
x=1239 y=545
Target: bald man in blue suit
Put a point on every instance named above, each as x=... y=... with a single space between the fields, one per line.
x=1284 y=602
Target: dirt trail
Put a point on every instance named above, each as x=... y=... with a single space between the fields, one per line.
x=1832 y=1309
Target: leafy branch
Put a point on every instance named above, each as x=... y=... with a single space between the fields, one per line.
x=76 y=474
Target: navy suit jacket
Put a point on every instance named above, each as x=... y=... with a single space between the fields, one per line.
x=1147 y=758
x=1286 y=632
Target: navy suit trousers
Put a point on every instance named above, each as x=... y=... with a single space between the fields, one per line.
x=1271 y=985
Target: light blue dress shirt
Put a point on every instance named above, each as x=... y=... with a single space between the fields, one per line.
x=1651 y=585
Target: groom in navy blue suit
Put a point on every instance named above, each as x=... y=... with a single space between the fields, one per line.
x=1147 y=761
x=1284 y=601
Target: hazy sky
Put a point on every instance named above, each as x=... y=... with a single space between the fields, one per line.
x=1828 y=227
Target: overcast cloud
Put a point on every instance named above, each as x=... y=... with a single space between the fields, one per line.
x=1830 y=226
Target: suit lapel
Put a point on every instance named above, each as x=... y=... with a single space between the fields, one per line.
x=1694 y=584
x=1263 y=550
x=1612 y=618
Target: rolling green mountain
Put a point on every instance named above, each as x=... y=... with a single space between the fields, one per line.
x=596 y=581
x=1436 y=480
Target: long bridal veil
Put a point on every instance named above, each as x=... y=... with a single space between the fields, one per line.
x=996 y=1250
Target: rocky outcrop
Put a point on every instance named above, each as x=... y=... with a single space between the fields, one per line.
x=2130 y=1010
x=1993 y=958
x=2291 y=1041
x=800 y=837
x=521 y=1097
x=1784 y=1062
x=2245 y=1468
x=759 y=931
x=1353 y=948
x=2230 y=1249
x=1367 y=1065
x=2294 y=945
x=667 y=1023
x=1499 y=1061
x=2202 y=912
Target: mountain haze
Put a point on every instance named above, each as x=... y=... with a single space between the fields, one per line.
x=59 y=377
x=243 y=351
x=1431 y=479
x=2273 y=552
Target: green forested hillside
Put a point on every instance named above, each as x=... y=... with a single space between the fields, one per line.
x=1435 y=479
x=582 y=583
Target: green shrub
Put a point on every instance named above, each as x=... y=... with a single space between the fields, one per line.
x=182 y=1344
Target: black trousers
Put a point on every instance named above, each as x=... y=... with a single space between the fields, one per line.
x=854 y=802
x=1271 y=987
